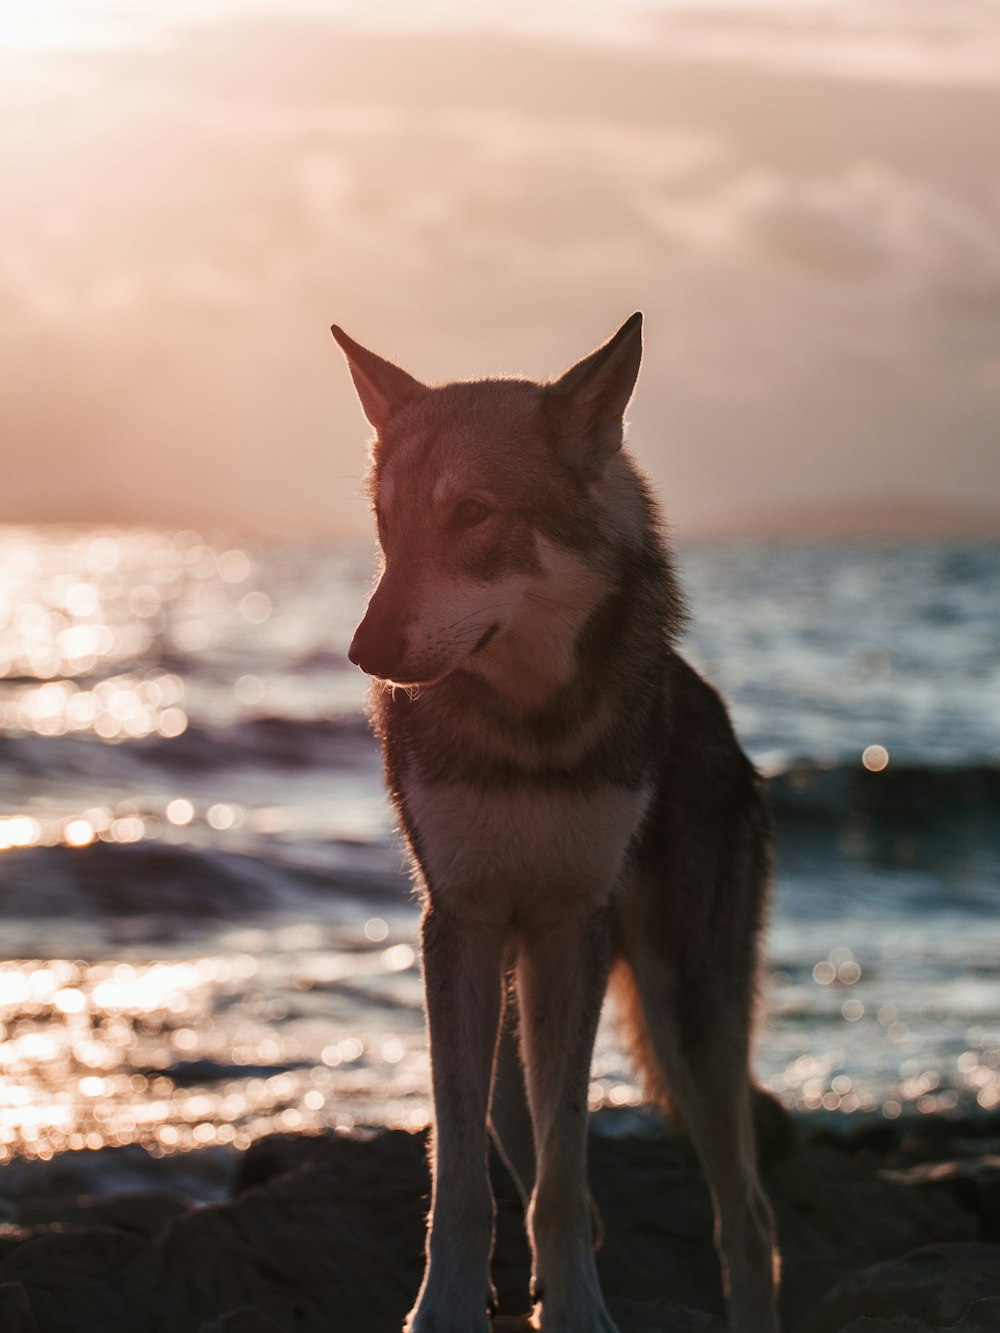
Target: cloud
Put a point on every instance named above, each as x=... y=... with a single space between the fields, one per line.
x=810 y=291
x=873 y=223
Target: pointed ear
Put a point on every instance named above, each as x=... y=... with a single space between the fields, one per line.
x=381 y=386
x=588 y=402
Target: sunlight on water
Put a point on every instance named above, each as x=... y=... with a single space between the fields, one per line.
x=90 y=624
x=225 y=1047
x=118 y=708
x=185 y=1054
x=209 y=914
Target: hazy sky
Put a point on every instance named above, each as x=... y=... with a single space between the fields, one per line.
x=804 y=201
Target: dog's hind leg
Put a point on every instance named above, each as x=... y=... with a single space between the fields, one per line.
x=711 y=1090
x=510 y=1114
x=562 y=970
x=689 y=1022
x=462 y=983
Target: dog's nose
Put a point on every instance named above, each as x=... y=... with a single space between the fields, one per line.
x=377 y=651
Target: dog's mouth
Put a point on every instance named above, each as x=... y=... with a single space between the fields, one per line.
x=430 y=678
x=484 y=640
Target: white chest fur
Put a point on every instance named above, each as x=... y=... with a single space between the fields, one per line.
x=522 y=851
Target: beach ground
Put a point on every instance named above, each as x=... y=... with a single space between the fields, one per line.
x=891 y=1226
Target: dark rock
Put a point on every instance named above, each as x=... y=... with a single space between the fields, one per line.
x=325 y=1235
x=981 y=1317
x=937 y=1283
x=334 y=1247
x=87 y=1279
x=973 y=1182
x=774 y=1128
x=242 y=1321
x=903 y=1324
x=356 y=1157
x=662 y=1317
x=638 y=1317
x=835 y=1214
x=10 y=1237
x=145 y=1214
x=15 y=1310
x=658 y=1222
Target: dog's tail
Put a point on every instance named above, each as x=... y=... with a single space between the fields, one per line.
x=774 y=1130
x=635 y=1034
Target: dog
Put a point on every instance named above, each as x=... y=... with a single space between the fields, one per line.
x=579 y=814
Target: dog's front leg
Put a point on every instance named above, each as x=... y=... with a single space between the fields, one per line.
x=463 y=988
x=561 y=978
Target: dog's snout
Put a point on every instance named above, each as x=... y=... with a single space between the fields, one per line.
x=378 y=650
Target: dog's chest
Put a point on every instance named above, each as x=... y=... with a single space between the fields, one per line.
x=518 y=846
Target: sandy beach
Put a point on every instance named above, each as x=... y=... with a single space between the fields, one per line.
x=888 y=1227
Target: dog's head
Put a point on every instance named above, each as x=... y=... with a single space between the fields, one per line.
x=486 y=495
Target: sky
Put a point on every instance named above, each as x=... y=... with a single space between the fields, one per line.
x=804 y=200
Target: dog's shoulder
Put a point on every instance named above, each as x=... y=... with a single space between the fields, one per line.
x=705 y=781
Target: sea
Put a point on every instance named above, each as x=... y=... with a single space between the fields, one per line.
x=209 y=927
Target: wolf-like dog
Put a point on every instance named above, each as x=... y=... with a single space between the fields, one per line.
x=578 y=810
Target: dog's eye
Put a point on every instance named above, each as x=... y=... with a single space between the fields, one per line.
x=468 y=514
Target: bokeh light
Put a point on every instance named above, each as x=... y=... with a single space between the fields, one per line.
x=875 y=758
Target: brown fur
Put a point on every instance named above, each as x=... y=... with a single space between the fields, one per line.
x=574 y=799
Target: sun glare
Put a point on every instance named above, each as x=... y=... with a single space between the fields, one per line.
x=31 y=26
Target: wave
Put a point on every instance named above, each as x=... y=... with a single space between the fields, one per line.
x=166 y=883
x=272 y=740
x=908 y=794
x=266 y=740
x=194 y=886
x=914 y=789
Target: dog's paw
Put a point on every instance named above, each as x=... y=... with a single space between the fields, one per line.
x=447 y=1321
x=451 y=1316
x=593 y=1321
x=581 y=1310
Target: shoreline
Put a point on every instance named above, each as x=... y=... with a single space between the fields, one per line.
x=300 y=1232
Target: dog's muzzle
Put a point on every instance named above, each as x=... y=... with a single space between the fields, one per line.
x=377 y=651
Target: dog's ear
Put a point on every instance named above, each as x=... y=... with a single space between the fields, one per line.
x=382 y=387
x=586 y=404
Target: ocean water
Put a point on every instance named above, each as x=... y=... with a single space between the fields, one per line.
x=209 y=931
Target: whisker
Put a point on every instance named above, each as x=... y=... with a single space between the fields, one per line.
x=558 y=616
x=479 y=611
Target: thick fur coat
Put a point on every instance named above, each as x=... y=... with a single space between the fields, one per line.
x=579 y=814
